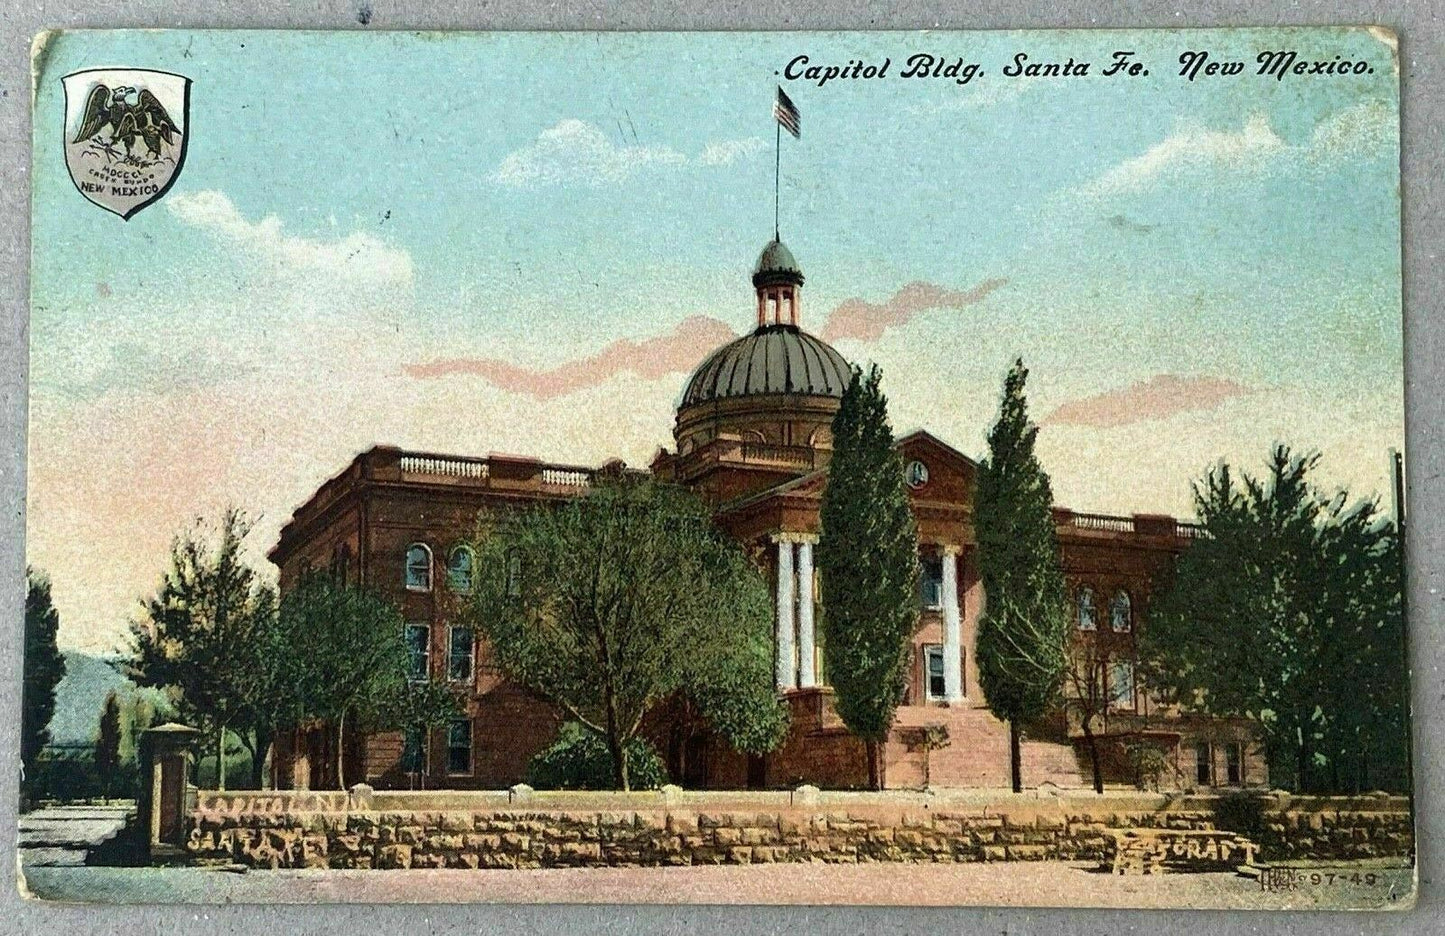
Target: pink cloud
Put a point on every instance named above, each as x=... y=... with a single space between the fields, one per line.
x=678 y=351
x=1159 y=397
x=862 y=320
x=683 y=348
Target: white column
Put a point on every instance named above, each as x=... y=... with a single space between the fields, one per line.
x=807 y=675
x=952 y=640
x=787 y=656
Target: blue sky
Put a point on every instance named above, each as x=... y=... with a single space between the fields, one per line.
x=1192 y=269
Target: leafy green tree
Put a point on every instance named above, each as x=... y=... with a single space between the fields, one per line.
x=139 y=711
x=1372 y=738
x=43 y=669
x=270 y=697
x=579 y=760
x=344 y=650
x=1023 y=630
x=610 y=604
x=107 y=743
x=422 y=706
x=198 y=638
x=1289 y=612
x=868 y=567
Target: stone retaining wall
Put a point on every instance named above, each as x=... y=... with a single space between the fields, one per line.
x=498 y=830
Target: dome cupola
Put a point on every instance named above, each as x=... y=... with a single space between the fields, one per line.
x=763 y=403
x=776 y=265
x=778 y=280
x=778 y=358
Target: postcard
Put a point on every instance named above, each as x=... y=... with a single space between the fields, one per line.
x=819 y=468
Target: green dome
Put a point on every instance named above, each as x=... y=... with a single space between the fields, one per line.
x=775 y=359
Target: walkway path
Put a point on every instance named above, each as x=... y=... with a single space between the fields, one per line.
x=59 y=836
x=997 y=884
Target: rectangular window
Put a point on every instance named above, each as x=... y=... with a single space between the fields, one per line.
x=1121 y=684
x=1203 y=764
x=1234 y=763
x=459 y=654
x=413 y=751
x=418 y=646
x=1087 y=619
x=933 y=660
x=931 y=581
x=459 y=747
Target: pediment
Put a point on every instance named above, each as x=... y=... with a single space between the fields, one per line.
x=935 y=470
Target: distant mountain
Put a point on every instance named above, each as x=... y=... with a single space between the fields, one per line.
x=81 y=694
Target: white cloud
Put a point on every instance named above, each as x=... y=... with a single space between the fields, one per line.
x=576 y=151
x=358 y=259
x=727 y=152
x=1361 y=131
x=977 y=95
x=1244 y=150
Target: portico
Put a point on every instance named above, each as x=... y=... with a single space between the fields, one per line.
x=794 y=632
x=952 y=628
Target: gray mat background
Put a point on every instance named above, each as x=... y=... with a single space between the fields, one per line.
x=1422 y=36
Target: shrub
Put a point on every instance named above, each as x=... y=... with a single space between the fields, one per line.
x=579 y=760
x=70 y=775
x=1148 y=762
x=1241 y=812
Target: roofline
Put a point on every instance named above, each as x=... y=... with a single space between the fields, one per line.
x=794 y=483
x=358 y=474
x=925 y=434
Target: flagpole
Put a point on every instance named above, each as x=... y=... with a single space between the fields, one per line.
x=777 y=171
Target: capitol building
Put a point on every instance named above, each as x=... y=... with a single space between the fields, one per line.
x=752 y=438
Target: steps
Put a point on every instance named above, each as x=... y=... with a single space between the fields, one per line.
x=978 y=751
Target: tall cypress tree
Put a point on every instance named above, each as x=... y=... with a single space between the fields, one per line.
x=1024 y=626
x=107 y=743
x=868 y=563
x=44 y=667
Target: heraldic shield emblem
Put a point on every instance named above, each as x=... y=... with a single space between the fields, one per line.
x=125 y=134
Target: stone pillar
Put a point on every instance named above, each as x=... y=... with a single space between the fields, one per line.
x=787 y=656
x=807 y=669
x=952 y=628
x=165 y=756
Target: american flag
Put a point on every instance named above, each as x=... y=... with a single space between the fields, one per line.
x=786 y=113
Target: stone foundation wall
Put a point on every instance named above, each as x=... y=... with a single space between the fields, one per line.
x=491 y=830
x=1335 y=827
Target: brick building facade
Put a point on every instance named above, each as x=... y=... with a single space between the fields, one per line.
x=752 y=438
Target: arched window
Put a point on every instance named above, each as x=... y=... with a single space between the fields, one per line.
x=1087 y=619
x=418 y=567
x=1121 y=612
x=460 y=568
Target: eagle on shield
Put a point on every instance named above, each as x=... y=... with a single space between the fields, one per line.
x=126 y=133
x=144 y=119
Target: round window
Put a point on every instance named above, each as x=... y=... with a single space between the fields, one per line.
x=916 y=474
